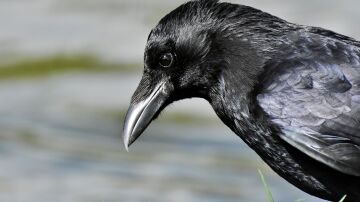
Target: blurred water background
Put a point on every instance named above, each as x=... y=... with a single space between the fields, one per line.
x=67 y=71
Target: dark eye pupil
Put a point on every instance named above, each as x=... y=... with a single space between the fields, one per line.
x=166 y=60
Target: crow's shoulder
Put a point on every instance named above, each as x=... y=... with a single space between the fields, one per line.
x=333 y=35
x=313 y=95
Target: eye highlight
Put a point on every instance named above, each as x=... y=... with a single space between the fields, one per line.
x=166 y=60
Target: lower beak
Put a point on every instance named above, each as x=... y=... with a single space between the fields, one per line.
x=140 y=114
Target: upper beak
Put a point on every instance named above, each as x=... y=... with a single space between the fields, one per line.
x=141 y=113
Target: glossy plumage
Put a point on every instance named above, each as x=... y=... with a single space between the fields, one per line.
x=291 y=92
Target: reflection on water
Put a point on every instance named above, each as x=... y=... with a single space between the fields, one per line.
x=60 y=136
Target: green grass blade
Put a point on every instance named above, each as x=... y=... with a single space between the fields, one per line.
x=343 y=199
x=267 y=190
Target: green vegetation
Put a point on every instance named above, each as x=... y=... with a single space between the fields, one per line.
x=343 y=199
x=28 y=68
x=267 y=189
x=269 y=195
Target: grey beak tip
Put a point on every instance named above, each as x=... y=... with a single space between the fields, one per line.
x=126 y=146
x=130 y=122
x=140 y=115
x=126 y=138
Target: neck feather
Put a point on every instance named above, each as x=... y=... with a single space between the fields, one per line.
x=238 y=109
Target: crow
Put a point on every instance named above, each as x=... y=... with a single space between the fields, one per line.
x=290 y=92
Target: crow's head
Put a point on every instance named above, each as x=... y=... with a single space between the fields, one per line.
x=187 y=53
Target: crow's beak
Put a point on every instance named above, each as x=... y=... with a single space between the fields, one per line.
x=141 y=113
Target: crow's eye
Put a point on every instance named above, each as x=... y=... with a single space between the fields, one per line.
x=166 y=60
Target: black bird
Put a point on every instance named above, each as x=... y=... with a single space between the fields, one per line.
x=291 y=92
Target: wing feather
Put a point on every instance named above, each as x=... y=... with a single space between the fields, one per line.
x=316 y=103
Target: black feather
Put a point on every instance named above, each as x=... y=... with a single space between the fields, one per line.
x=291 y=92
